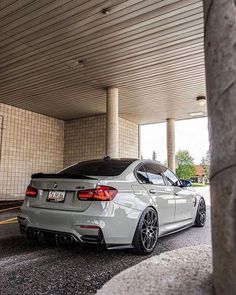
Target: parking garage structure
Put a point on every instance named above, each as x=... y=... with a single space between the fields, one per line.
x=78 y=78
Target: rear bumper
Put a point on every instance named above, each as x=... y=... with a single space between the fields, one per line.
x=102 y=222
x=60 y=238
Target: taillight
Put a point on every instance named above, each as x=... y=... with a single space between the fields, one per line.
x=100 y=193
x=31 y=192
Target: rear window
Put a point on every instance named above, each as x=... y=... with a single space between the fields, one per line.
x=99 y=167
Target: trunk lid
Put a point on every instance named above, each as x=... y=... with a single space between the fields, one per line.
x=67 y=185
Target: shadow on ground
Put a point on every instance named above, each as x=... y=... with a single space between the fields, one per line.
x=27 y=268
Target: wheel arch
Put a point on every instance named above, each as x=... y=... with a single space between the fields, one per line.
x=151 y=206
x=136 y=241
x=197 y=198
x=141 y=213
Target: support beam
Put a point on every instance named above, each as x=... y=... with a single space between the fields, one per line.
x=170 y=127
x=220 y=56
x=112 y=123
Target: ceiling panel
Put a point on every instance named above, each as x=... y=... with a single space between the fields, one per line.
x=58 y=57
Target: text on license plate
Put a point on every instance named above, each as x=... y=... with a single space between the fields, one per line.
x=56 y=196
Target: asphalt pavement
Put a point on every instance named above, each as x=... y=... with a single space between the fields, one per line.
x=27 y=268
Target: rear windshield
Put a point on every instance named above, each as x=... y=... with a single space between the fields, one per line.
x=99 y=167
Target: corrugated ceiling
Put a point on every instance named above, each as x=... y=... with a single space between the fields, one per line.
x=57 y=57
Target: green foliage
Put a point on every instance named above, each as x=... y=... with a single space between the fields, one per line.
x=206 y=164
x=185 y=165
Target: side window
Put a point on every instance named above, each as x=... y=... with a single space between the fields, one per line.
x=142 y=175
x=154 y=173
x=171 y=177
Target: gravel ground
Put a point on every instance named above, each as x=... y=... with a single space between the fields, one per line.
x=27 y=268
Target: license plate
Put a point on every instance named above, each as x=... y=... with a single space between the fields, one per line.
x=56 y=196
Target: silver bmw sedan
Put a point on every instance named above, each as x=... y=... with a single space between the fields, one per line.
x=122 y=203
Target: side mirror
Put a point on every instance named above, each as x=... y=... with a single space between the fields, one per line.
x=186 y=183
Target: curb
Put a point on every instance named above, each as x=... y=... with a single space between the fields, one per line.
x=180 y=272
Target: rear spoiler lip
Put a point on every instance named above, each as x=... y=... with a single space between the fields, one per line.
x=60 y=176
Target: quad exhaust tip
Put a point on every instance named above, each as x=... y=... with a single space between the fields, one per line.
x=43 y=236
x=65 y=239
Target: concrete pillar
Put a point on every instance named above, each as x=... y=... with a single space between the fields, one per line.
x=220 y=56
x=170 y=128
x=112 y=123
x=139 y=141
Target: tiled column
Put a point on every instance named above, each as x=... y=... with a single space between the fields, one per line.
x=220 y=57
x=170 y=127
x=112 y=123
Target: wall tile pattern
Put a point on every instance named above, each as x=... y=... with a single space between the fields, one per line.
x=34 y=143
x=30 y=143
x=85 y=139
x=128 y=139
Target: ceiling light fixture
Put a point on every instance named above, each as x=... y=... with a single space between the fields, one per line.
x=74 y=63
x=196 y=114
x=106 y=11
x=81 y=61
x=201 y=100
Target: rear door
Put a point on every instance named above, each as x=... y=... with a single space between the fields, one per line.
x=183 y=196
x=160 y=193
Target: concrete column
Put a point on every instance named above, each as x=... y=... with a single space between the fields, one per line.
x=220 y=57
x=139 y=141
x=112 y=123
x=170 y=127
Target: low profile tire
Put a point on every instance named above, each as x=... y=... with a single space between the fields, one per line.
x=200 y=219
x=146 y=234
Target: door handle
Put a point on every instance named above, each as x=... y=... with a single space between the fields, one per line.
x=138 y=194
x=152 y=191
x=176 y=194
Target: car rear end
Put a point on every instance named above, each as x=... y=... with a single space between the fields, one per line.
x=69 y=207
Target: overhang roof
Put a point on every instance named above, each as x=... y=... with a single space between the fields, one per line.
x=57 y=57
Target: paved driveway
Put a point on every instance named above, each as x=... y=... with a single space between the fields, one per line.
x=27 y=268
x=204 y=191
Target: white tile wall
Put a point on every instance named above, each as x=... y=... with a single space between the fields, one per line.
x=34 y=143
x=86 y=139
x=30 y=143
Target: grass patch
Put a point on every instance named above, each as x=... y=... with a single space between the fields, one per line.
x=196 y=184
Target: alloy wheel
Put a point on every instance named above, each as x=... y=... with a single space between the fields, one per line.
x=202 y=212
x=149 y=232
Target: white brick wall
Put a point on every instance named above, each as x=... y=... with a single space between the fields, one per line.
x=128 y=139
x=34 y=143
x=30 y=143
x=86 y=139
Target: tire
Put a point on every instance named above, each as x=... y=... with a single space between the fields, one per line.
x=146 y=234
x=200 y=219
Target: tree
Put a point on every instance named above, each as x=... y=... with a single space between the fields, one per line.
x=185 y=165
x=206 y=164
x=154 y=156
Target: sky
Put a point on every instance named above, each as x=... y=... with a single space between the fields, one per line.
x=191 y=135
